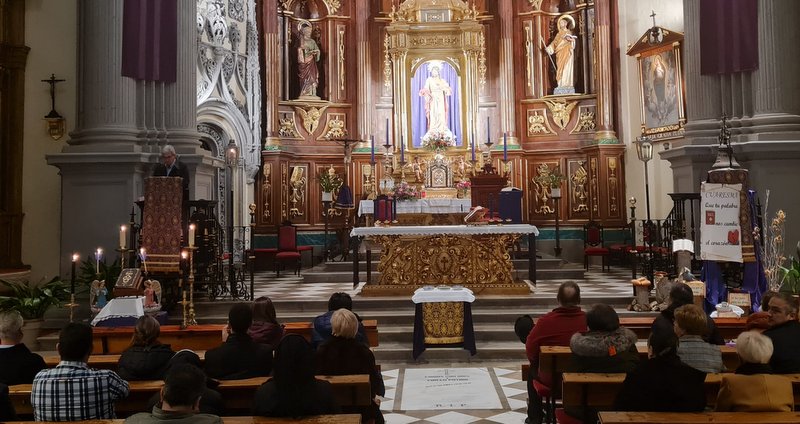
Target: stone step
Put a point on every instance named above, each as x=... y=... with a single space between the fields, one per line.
x=564 y=273
x=493 y=351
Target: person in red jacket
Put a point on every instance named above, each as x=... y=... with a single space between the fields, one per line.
x=553 y=329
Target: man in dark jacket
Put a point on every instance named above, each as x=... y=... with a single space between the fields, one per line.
x=681 y=295
x=321 y=330
x=180 y=400
x=553 y=329
x=18 y=364
x=239 y=356
x=785 y=334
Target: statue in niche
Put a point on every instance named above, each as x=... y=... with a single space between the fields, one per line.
x=563 y=47
x=435 y=92
x=308 y=55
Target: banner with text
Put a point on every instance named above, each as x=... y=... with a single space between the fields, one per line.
x=720 y=232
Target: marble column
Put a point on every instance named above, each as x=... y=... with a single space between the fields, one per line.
x=605 y=133
x=505 y=80
x=272 y=63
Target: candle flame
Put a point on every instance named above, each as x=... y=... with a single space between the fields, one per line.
x=75 y=257
x=123 y=228
x=99 y=251
x=191 y=226
x=184 y=254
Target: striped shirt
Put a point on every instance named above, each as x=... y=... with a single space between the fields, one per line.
x=73 y=392
x=699 y=354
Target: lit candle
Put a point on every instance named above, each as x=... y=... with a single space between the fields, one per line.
x=372 y=154
x=402 y=150
x=191 y=235
x=143 y=257
x=505 y=146
x=122 y=230
x=72 y=280
x=97 y=259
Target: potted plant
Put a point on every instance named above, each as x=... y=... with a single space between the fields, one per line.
x=552 y=180
x=32 y=301
x=329 y=182
x=790 y=281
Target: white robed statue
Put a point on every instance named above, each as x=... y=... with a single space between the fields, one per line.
x=435 y=91
x=563 y=47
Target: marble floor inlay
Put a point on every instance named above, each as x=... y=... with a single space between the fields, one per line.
x=448 y=389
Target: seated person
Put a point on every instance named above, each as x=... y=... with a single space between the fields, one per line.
x=93 y=391
x=7 y=412
x=785 y=334
x=265 y=328
x=752 y=388
x=322 y=323
x=19 y=364
x=690 y=325
x=342 y=354
x=239 y=356
x=210 y=401
x=662 y=383
x=681 y=295
x=293 y=391
x=180 y=400
x=146 y=358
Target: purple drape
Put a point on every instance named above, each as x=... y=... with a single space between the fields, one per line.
x=755 y=282
x=728 y=36
x=419 y=123
x=150 y=40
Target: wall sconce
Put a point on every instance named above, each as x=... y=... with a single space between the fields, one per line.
x=56 y=124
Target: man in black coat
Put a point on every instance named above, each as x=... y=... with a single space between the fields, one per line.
x=19 y=364
x=239 y=356
x=785 y=334
x=172 y=167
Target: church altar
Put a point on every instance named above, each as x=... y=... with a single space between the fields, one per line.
x=432 y=206
x=473 y=256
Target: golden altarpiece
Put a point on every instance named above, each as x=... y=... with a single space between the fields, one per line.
x=541 y=72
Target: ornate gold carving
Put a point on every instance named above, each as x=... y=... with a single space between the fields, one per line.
x=335 y=127
x=446 y=259
x=266 y=191
x=561 y=111
x=612 y=186
x=333 y=5
x=537 y=123
x=298 y=187
x=586 y=120
x=438 y=40
x=444 y=322
x=288 y=128
x=340 y=42
x=482 y=63
x=310 y=117
x=528 y=54
x=579 y=179
x=368 y=184
x=593 y=187
x=432 y=11
x=284 y=192
x=535 y=4
x=543 y=190
x=387 y=66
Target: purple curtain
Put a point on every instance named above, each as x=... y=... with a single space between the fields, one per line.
x=419 y=123
x=728 y=36
x=150 y=40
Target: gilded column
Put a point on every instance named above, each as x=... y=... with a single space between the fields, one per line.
x=272 y=72
x=605 y=133
x=364 y=82
x=506 y=77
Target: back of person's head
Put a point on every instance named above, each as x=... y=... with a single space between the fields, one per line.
x=240 y=317
x=765 y=299
x=183 y=386
x=146 y=331
x=11 y=327
x=680 y=295
x=602 y=317
x=662 y=343
x=75 y=342
x=294 y=361
x=344 y=324
x=264 y=310
x=523 y=326
x=340 y=300
x=757 y=321
x=569 y=294
x=754 y=347
x=692 y=320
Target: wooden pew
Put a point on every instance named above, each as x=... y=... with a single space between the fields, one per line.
x=106 y=362
x=729 y=328
x=557 y=359
x=600 y=390
x=698 y=417
x=315 y=419
x=350 y=390
x=114 y=340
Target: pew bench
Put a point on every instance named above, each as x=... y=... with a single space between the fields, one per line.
x=698 y=417
x=350 y=390
x=107 y=362
x=314 y=419
x=729 y=328
x=114 y=340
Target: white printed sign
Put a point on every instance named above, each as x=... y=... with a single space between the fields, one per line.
x=720 y=232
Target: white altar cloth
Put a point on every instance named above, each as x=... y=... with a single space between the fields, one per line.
x=421 y=206
x=436 y=294
x=432 y=230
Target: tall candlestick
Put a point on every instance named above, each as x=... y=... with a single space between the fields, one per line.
x=143 y=257
x=191 y=235
x=122 y=238
x=505 y=146
x=372 y=154
x=387 y=132
x=473 y=145
x=72 y=279
x=97 y=259
x=488 y=132
x=402 y=150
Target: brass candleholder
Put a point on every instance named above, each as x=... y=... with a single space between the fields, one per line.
x=123 y=253
x=191 y=317
x=71 y=305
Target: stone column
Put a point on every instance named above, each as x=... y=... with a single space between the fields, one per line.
x=505 y=81
x=180 y=98
x=272 y=63
x=364 y=101
x=605 y=133
x=703 y=92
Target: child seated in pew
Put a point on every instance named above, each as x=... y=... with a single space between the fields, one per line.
x=753 y=388
x=180 y=400
x=293 y=391
x=662 y=383
x=146 y=358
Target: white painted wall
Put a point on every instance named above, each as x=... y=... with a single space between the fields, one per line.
x=51 y=31
x=634 y=20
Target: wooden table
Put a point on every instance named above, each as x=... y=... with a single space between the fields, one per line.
x=698 y=417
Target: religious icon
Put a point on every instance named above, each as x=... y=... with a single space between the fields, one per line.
x=308 y=55
x=435 y=104
x=435 y=91
x=563 y=47
x=660 y=94
x=152 y=296
x=98 y=295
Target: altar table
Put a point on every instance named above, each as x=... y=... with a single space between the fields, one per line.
x=433 y=206
x=443 y=316
x=473 y=256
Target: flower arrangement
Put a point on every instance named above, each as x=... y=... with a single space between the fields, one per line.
x=405 y=191
x=329 y=181
x=550 y=178
x=791 y=275
x=463 y=185
x=437 y=141
x=773 y=257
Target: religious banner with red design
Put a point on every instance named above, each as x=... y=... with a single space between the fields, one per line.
x=161 y=223
x=720 y=231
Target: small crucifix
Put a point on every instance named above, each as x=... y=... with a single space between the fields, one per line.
x=653 y=15
x=53 y=81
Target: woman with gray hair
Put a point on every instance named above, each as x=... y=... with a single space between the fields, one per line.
x=753 y=388
x=19 y=364
x=342 y=354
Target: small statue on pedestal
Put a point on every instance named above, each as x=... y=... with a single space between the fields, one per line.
x=98 y=295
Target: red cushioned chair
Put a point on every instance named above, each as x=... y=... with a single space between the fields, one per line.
x=546 y=394
x=287 y=248
x=593 y=244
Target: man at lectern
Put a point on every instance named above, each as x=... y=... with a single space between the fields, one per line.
x=171 y=167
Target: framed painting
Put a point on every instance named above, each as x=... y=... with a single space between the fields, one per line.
x=661 y=83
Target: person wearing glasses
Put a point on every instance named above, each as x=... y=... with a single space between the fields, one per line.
x=785 y=334
x=170 y=166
